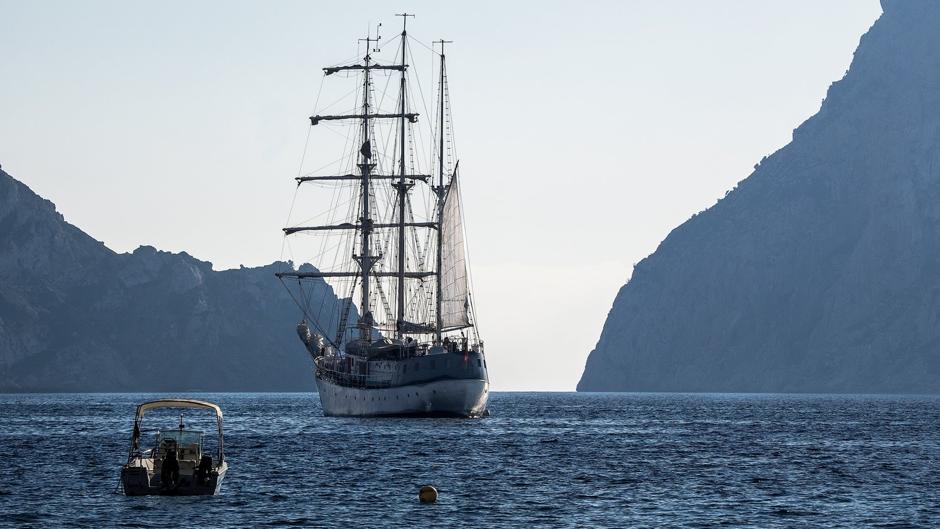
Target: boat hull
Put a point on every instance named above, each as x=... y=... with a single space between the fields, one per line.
x=440 y=398
x=139 y=480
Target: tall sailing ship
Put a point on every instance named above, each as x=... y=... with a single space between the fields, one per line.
x=388 y=315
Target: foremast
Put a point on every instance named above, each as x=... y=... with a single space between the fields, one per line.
x=365 y=259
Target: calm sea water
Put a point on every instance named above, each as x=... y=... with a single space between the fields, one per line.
x=540 y=460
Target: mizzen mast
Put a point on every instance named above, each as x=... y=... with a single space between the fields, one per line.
x=441 y=192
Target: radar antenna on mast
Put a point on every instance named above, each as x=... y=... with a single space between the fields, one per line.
x=369 y=40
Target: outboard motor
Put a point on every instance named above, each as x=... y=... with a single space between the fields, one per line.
x=204 y=470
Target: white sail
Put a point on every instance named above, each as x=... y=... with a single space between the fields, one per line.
x=455 y=301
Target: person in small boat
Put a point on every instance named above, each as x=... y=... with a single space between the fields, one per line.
x=135 y=440
x=170 y=473
x=204 y=470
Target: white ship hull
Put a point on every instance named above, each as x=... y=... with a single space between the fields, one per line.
x=456 y=398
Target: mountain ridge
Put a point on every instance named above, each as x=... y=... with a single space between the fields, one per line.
x=819 y=272
x=77 y=316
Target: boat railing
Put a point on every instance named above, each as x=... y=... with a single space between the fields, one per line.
x=356 y=380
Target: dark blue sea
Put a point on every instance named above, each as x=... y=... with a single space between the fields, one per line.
x=540 y=460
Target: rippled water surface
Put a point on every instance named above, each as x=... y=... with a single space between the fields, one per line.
x=540 y=460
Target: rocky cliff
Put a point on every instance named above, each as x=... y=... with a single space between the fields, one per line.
x=820 y=272
x=76 y=316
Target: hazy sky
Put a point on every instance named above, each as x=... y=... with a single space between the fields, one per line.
x=587 y=130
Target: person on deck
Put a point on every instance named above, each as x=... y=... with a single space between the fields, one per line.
x=170 y=473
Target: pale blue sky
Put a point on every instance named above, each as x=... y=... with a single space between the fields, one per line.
x=587 y=130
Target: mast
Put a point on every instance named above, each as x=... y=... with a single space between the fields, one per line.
x=440 y=204
x=402 y=186
x=364 y=224
x=365 y=258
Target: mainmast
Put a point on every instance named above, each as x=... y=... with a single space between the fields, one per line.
x=441 y=193
x=402 y=186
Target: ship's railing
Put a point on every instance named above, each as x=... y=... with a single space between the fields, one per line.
x=356 y=380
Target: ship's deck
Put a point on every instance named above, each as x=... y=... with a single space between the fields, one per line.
x=383 y=373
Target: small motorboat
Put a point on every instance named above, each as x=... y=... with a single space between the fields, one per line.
x=176 y=464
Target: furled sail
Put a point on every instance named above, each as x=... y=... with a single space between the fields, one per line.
x=455 y=301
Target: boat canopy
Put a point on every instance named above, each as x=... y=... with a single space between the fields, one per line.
x=177 y=403
x=173 y=403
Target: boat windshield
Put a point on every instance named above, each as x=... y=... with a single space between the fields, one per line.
x=188 y=444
